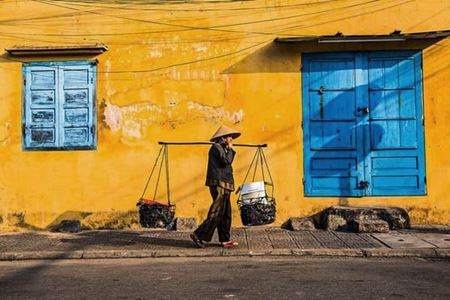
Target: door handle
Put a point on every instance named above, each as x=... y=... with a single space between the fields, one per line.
x=363 y=184
x=364 y=110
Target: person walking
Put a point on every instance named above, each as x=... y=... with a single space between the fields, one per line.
x=219 y=179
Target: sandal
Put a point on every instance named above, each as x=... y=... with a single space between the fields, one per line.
x=196 y=240
x=230 y=244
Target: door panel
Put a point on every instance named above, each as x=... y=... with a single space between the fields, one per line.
x=396 y=129
x=331 y=131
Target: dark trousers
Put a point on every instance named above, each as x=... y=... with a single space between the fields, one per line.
x=219 y=216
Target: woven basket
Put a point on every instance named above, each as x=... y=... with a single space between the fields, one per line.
x=154 y=214
x=260 y=211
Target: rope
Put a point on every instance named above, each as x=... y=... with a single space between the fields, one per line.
x=151 y=173
x=248 y=171
x=268 y=171
x=159 y=175
x=258 y=157
x=262 y=166
x=167 y=173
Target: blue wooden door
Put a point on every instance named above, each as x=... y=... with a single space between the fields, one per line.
x=362 y=124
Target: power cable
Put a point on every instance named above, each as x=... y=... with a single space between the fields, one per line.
x=212 y=28
x=235 y=52
x=279 y=32
x=266 y=7
x=177 y=64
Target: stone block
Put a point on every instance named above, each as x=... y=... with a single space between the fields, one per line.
x=301 y=224
x=185 y=224
x=370 y=226
x=70 y=226
x=335 y=223
x=396 y=217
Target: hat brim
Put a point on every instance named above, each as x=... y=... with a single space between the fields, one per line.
x=234 y=135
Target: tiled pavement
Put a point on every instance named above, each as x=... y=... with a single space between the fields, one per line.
x=420 y=241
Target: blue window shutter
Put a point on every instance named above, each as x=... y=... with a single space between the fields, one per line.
x=40 y=107
x=59 y=105
x=77 y=113
x=396 y=163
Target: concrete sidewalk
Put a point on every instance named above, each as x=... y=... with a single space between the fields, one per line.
x=420 y=241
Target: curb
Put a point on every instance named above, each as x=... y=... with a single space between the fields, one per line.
x=418 y=252
x=443 y=253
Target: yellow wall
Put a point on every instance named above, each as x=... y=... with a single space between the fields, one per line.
x=175 y=72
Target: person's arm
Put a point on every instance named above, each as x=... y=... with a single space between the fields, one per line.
x=224 y=156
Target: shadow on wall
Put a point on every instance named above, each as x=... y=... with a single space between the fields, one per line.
x=67 y=215
x=333 y=128
x=278 y=57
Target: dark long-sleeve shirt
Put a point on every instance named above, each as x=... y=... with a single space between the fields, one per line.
x=220 y=171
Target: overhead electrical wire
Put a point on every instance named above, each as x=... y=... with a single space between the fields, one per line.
x=344 y=18
x=230 y=53
x=224 y=39
x=265 y=7
x=215 y=27
x=185 y=28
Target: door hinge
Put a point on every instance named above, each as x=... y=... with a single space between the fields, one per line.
x=301 y=124
x=24 y=81
x=24 y=129
x=303 y=181
x=92 y=80
x=425 y=179
x=93 y=129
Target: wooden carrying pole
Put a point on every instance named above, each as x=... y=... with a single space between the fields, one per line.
x=210 y=143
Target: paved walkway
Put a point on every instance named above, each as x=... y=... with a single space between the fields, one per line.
x=421 y=241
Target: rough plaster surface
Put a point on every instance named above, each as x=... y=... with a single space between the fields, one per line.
x=131 y=119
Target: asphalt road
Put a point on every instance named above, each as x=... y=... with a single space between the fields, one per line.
x=224 y=278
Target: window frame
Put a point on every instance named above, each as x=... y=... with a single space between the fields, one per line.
x=59 y=125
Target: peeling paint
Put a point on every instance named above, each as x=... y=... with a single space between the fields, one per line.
x=201 y=47
x=217 y=113
x=109 y=90
x=131 y=129
x=112 y=116
x=132 y=119
x=155 y=53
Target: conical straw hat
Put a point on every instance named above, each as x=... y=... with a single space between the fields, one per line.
x=224 y=131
